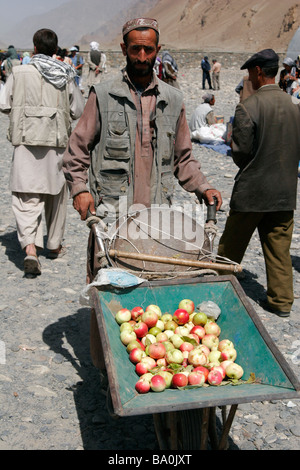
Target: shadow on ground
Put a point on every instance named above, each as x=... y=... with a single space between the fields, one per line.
x=99 y=431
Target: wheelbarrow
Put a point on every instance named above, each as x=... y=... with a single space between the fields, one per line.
x=185 y=419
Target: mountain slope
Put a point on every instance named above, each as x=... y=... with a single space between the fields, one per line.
x=211 y=25
x=227 y=25
x=70 y=21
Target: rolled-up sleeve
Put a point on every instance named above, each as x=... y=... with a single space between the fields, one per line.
x=186 y=168
x=77 y=158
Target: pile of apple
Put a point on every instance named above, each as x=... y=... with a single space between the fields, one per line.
x=179 y=350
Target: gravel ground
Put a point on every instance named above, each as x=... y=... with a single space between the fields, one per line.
x=49 y=389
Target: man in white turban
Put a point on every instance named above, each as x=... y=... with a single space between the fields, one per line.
x=96 y=62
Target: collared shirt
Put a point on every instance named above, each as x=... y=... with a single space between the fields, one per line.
x=145 y=102
x=87 y=133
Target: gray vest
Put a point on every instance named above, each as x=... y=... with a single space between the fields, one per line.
x=112 y=167
x=40 y=114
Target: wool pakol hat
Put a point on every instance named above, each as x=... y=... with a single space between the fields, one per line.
x=140 y=23
x=264 y=58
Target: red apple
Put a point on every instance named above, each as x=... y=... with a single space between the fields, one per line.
x=204 y=349
x=140 y=329
x=211 y=328
x=214 y=377
x=123 y=315
x=136 y=343
x=147 y=363
x=142 y=385
x=157 y=350
x=136 y=355
x=150 y=318
x=158 y=383
x=141 y=368
x=224 y=364
x=197 y=358
x=196 y=378
x=187 y=305
x=161 y=337
x=167 y=376
x=211 y=341
x=136 y=313
x=225 y=343
x=229 y=354
x=161 y=363
x=185 y=346
x=202 y=369
x=155 y=309
x=198 y=330
x=220 y=369
x=179 y=380
x=181 y=316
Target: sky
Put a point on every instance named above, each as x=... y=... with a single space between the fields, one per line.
x=12 y=11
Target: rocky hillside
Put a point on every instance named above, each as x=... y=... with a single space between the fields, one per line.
x=227 y=25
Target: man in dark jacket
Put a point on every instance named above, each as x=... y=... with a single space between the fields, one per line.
x=205 y=65
x=265 y=147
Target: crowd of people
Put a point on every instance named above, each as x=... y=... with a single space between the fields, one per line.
x=96 y=62
x=132 y=137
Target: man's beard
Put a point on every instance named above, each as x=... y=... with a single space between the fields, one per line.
x=133 y=70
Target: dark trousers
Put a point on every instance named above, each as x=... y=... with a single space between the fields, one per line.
x=275 y=233
x=206 y=76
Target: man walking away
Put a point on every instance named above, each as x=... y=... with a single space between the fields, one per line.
x=41 y=98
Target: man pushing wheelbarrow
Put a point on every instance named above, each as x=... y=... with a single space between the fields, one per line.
x=133 y=138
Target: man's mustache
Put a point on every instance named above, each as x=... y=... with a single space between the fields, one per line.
x=139 y=62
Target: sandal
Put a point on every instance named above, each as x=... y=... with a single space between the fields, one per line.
x=57 y=254
x=32 y=265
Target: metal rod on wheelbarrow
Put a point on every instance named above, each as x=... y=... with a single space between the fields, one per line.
x=177 y=261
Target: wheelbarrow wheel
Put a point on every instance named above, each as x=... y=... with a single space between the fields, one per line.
x=182 y=430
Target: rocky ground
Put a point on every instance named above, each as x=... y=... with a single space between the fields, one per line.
x=49 y=389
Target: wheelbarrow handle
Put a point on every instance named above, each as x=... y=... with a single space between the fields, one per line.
x=212 y=211
x=93 y=219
